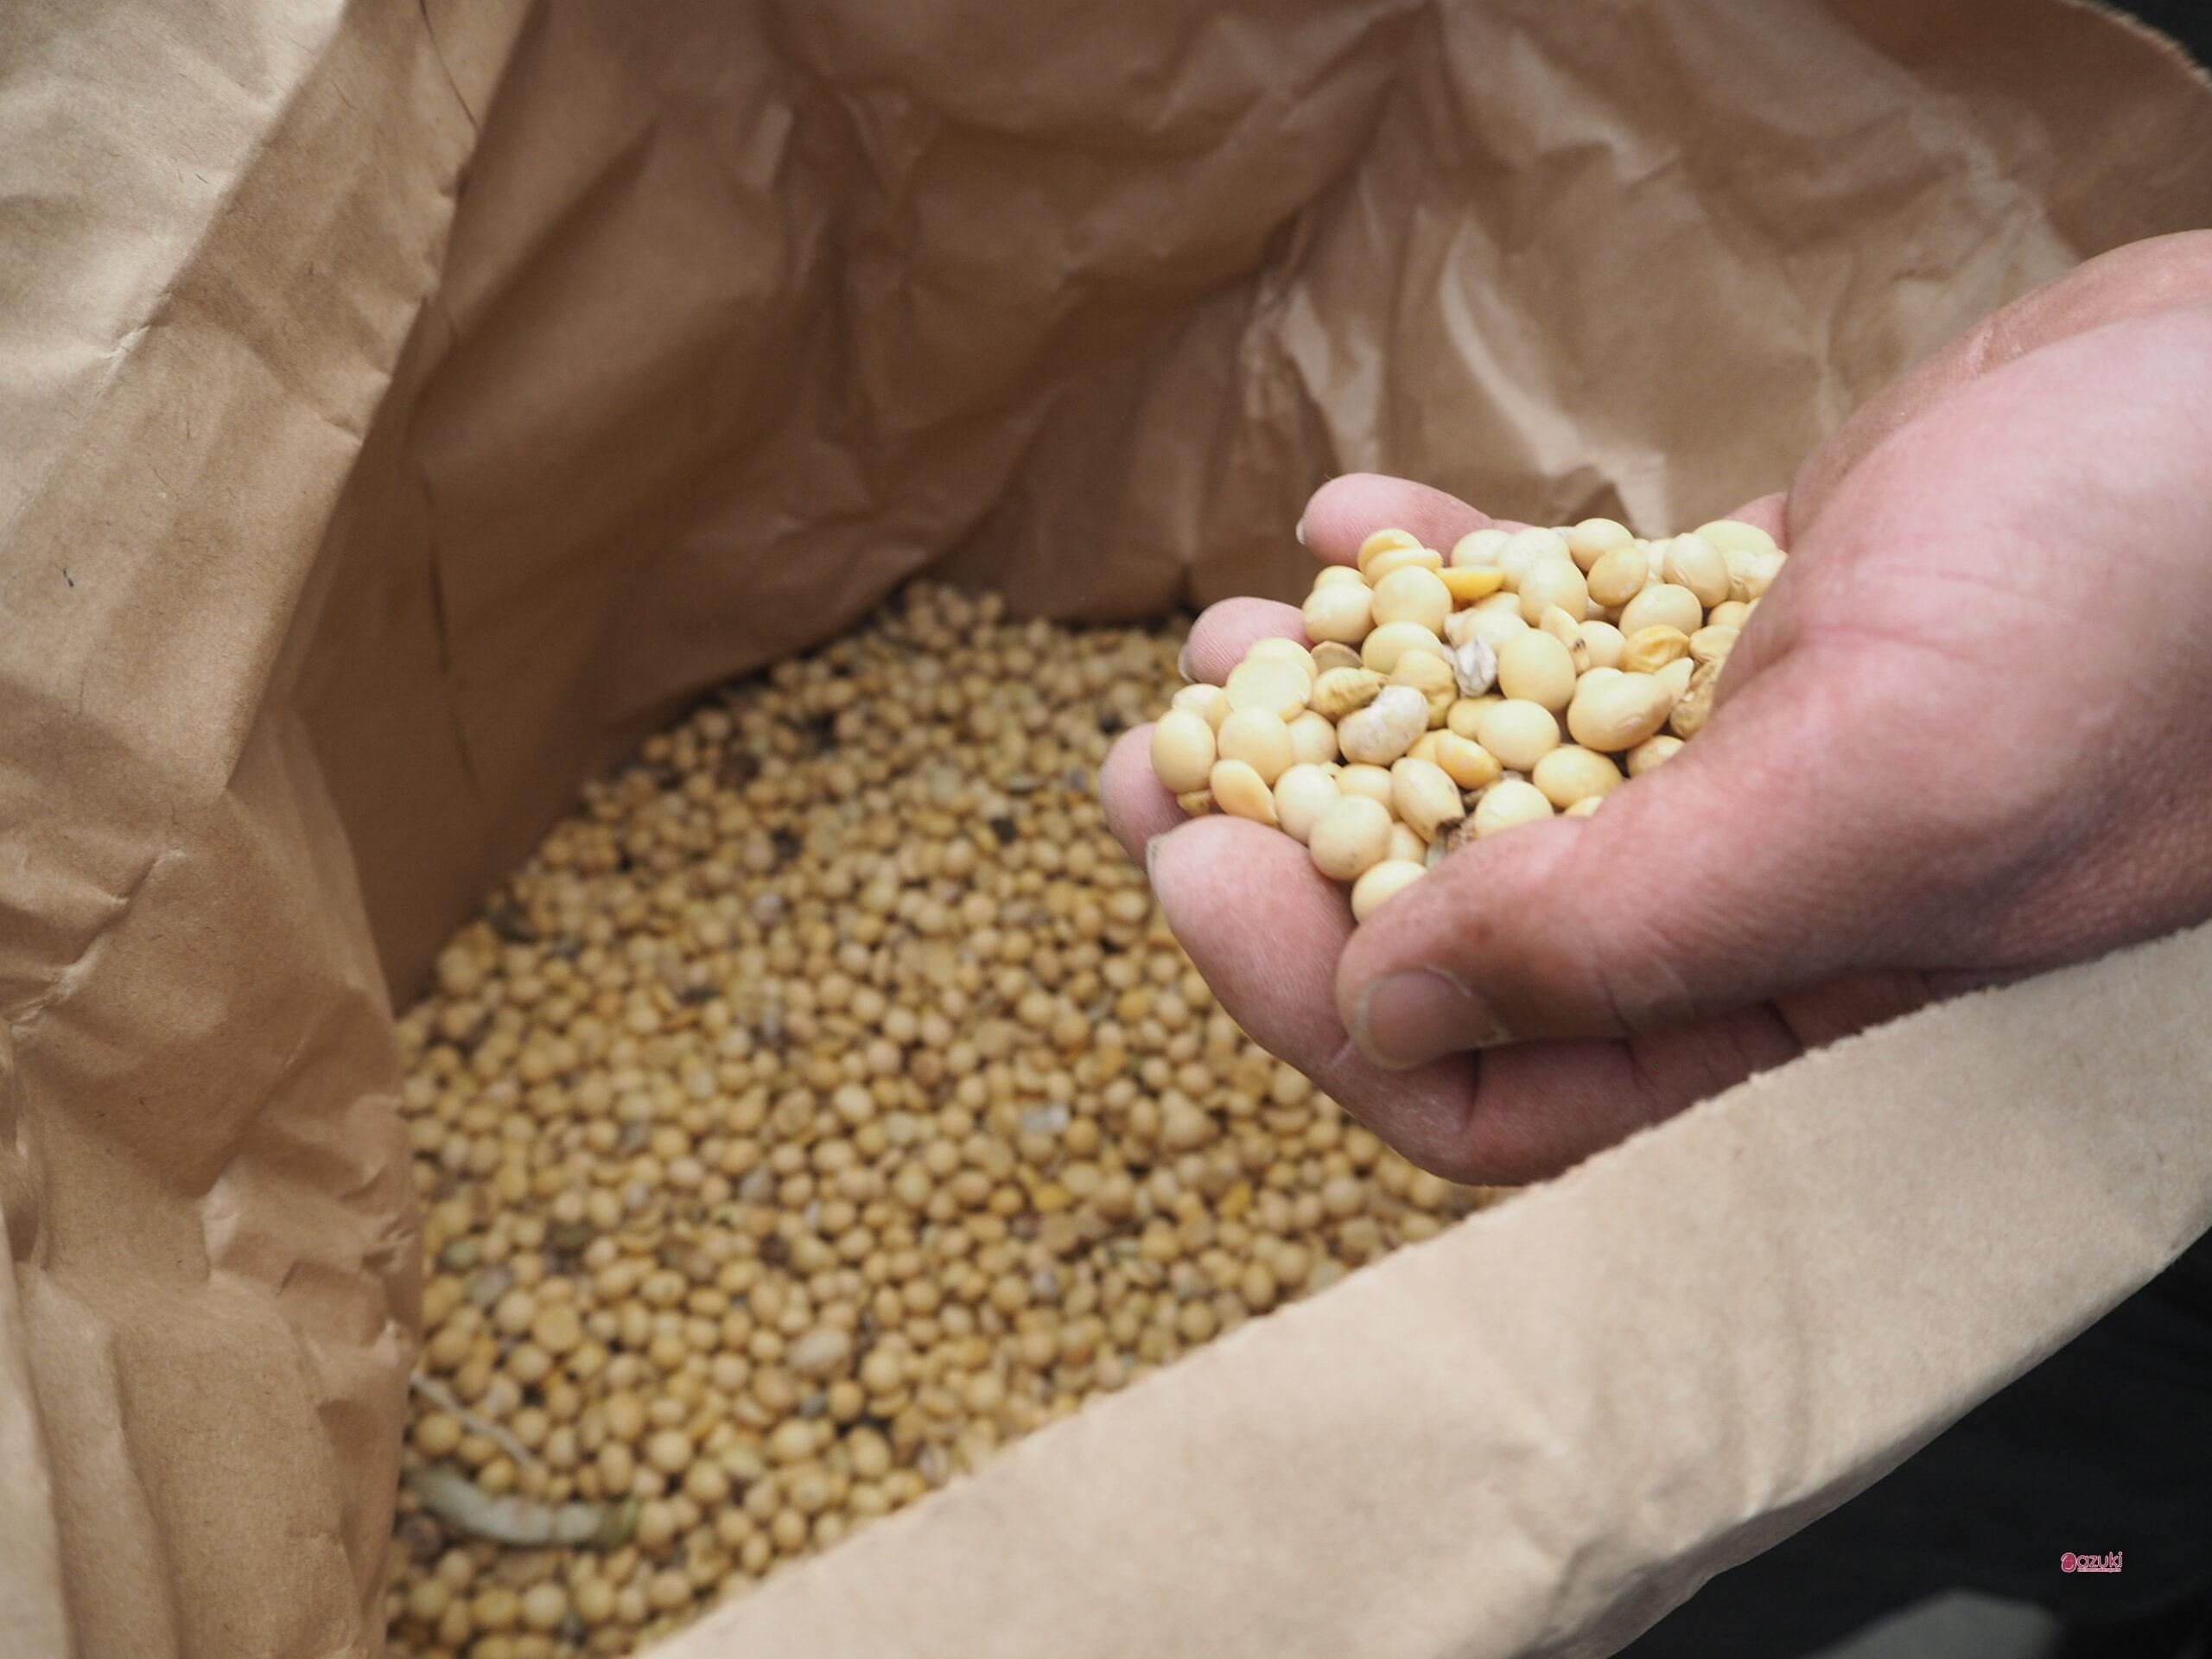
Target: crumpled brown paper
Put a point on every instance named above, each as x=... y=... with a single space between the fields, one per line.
x=343 y=530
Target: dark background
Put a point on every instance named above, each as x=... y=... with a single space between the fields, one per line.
x=2188 y=22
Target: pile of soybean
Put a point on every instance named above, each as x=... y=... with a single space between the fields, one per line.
x=1436 y=703
x=824 y=1105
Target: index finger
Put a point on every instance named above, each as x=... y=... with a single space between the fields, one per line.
x=1345 y=512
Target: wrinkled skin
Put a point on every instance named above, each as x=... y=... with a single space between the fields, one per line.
x=1967 y=736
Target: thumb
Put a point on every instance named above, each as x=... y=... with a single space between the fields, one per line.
x=1738 y=870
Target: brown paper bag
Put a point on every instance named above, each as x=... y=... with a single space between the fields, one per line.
x=408 y=408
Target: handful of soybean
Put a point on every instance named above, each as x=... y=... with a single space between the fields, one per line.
x=1533 y=672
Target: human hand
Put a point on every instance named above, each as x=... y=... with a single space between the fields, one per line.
x=1967 y=736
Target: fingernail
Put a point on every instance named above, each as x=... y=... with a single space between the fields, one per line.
x=1183 y=660
x=1414 y=1015
x=1151 y=852
x=1300 y=532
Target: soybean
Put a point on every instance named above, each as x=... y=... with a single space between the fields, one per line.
x=1535 y=667
x=1260 y=740
x=1507 y=804
x=1302 y=795
x=1518 y=732
x=1351 y=835
x=1425 y=796
x=1381 y=882
x=1182 y=750
x=1570 y=773
x=1663 y=604
x=1241 y=792
x=1414 y=594
x=1619 y=713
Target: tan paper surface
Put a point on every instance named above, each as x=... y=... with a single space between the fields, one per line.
x=342 y=532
